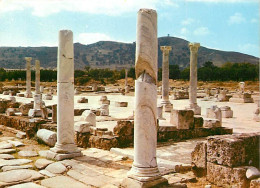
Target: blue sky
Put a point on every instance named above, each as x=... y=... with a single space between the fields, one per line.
x=230 y=25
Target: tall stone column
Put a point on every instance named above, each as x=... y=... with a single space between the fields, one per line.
x=144 y=171
x=28 y=93
x=167 y=106
x=37 y=77
x=194 y=47
x=126 y=84
x=36 y=111
x=65 y=146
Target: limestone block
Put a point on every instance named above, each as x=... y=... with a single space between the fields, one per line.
x=6 y=93
x=48 y=97
x=226 y=112
x=198 y=121
x=211 y=123
x=47 y=136
x=121 y=104
x=199 y=155
x=183 y=119
x=252 y=173
x=104 y=110
x=82 y=100
x=82 y=127
x=125 y=132
x=24 y=108
x=12 y=98
x=42 y=163
x=226 y=176
x=226 y=150
x=10 y=112
x=35 y=113
x=20 y=94
x=255 y=183
x=89 y=116
x=214 y=112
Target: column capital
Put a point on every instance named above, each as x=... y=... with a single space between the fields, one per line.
x=194 y=47
x=165 y=49
x=28 y=59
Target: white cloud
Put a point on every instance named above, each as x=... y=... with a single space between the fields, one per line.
x=184 y=31
x=225 y=1
x=237 y=18
x=248 y=48
x=89 y=38
x=187 y=21
x=106 y=7
x=254 y=20
x=201 y=31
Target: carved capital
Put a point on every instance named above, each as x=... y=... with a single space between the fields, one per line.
x=166 y=49
x=194 y=47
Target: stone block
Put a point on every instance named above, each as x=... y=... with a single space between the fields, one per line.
x=48 y=97
x=214 y=112
x=255 y=183
x=183 y=119
x=198 y=121
x=199 y=156
x=121 y=104
x=82 y=127
x=226 y=150
x=226 y=176
x=226 y=112
x=82 y=100
x=211 y=123
x=10 y=112
x=103 y=142
x=24 y=108
x=124 y=130
x=47 y=136
x=89 y=116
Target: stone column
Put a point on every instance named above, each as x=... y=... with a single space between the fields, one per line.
x=167 y=106
x=65 y=146
x=193 y=78
x=126 y=84
x=144 y=172
x=37 y=77
x=28 y=93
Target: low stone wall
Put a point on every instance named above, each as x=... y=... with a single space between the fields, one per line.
x=21 y=123
x=225 y=159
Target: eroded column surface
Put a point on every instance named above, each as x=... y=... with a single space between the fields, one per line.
x=28 y=93
x=126 y=84
x=144 y=169
x=37 y=77
x=194 y=47
x=65 y=146
x=167 y=106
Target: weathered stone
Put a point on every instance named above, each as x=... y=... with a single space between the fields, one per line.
x=27 y=153
x=198 y=122
x=42 y=163
x=214 y=113
x=18 y=176
x=27 y=185
x=61 y=182
x=56 y=168
x=211 y=123
x=183 y=119
x=252 y=173
x=199 y=156
x=6 y=156
x=124 y=130
x=82 y=100
x=103 y=142
x=89 y=116
x=82 y=126
x=104 y=110
x=8 y=168
x=121 y=104
x=20 y=134
x=14 y=162
x=48 y=97
x=47 y=136
x=255 y=183
x=10 y=112
x=226 y=176
x=24 y=108
x=226 y=112
x=47 y=173
x=7 y=151
x=5 y=145
x=16 y=143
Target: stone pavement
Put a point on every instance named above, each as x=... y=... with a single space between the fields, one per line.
x=96 y=168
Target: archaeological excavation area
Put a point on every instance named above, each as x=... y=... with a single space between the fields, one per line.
x=142 y=135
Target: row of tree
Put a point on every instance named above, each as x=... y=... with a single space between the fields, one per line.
x=208 y=72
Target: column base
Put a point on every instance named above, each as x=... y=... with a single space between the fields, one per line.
x=196 y=109
x=167 y=106
x=133 y=183
x=28 y=95
x=35 y=113
x=63 y=151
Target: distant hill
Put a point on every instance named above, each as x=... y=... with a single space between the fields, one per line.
x=117 y=55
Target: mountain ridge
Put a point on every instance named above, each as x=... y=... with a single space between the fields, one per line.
x=118 y=55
